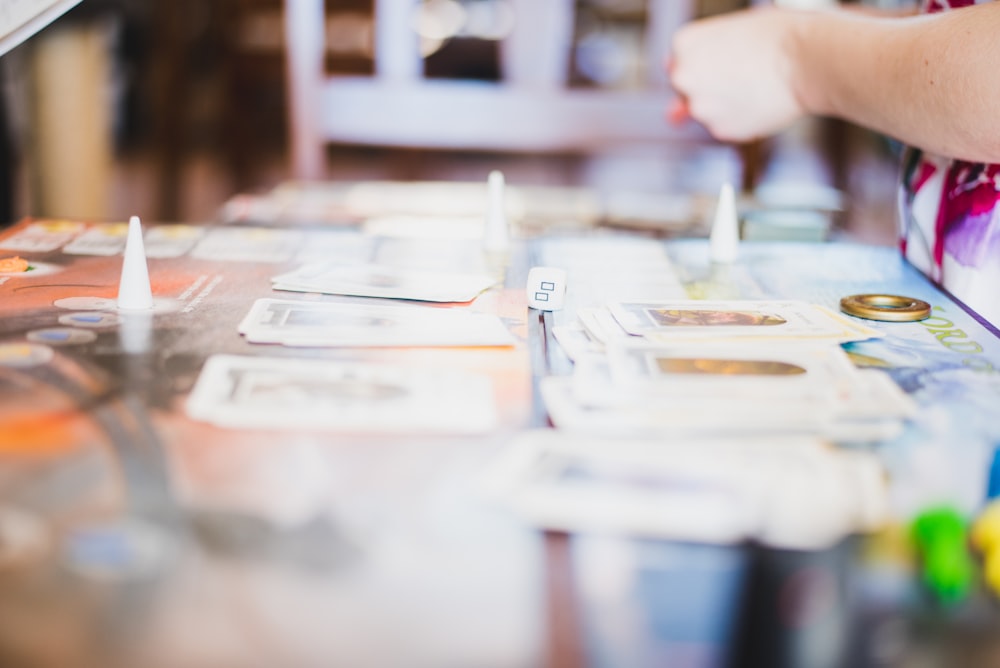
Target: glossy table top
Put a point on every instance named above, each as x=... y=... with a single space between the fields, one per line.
x=132 y=534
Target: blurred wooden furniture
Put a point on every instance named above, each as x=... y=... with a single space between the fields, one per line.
x=71 y=148
x=532 y=107
x=216 y=84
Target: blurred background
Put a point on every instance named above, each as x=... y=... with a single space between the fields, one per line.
x=168 y=108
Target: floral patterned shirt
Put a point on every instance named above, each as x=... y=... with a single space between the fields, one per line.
x=950 y=219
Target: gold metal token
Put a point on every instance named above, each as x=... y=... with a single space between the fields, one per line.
x=887 y=308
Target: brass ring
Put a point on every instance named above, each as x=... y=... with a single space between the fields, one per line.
x=887 y=308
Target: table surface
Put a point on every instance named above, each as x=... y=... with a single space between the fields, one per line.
x=131 y=534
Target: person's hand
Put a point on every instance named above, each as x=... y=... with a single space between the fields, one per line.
x=734 y=73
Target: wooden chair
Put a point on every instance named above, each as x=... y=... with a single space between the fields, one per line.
x=531 y=109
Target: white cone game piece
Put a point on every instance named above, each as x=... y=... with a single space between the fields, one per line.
x=724 y=239
x=496 y=235
x=134 y=293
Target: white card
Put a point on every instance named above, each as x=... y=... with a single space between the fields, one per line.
x=101 y=239
x=385 y=282
x=328 y=395
x=702 y=320
x=576 y=342
x=581 y=406
x=845 y=405
x=330 y=324
x=601 y=326
x=42 y=237
x=752 y=370
x=164 y=241
x=789 y=492
x=248 y=244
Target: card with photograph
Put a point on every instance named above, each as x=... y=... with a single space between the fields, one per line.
x=686 y=369
x=284 y=393
x=856 y=407
x=703 y=320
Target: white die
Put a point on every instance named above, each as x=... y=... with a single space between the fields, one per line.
x=546 y=288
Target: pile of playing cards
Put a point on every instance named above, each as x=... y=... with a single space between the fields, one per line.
x=788 y=492
x=708 y=421
x=329 y=395
x=340 y=324
x=703 y=367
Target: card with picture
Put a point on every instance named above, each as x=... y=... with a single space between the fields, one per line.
x=238 y=391
x=704 y=320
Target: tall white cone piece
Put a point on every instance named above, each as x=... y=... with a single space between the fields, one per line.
x=496 y=234
x=134 y=293
x=724 y=239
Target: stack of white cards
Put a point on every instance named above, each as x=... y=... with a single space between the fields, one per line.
x=711 y=421
x=328 y=395
x=784 y=491
x=707 y=367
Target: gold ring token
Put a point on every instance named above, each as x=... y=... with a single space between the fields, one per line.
x=887 y=308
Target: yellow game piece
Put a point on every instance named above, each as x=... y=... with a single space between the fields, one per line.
x=991 y=571
x=985 y=534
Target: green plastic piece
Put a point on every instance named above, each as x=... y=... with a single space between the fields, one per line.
x=941 y=537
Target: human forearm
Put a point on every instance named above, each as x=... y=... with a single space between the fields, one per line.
x=929 y=81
